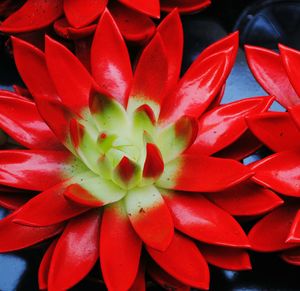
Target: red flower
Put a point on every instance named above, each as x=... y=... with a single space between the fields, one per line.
x=131 y=154
x=79 y=17
x=279 y=75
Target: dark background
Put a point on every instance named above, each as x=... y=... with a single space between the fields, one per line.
x=263 y=23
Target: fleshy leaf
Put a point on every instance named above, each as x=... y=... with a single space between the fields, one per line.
x=77 y=251
x=197 y=217
x=198 y=174
x=150 y=216
x=183 y=261
x=120 y=248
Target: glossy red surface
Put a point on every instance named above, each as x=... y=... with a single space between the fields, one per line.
x=197 y=217
x=81 y=234
x=118 y=243
x=110 y=63
x=183 y=261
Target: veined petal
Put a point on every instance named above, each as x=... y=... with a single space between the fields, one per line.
x=291 y=61
x=176 y=138
x=202 y=82
x=82 y=12
x=33 y=15
x=93 y=191
x=15 y=236
x=76 y=252
x=280 y=172
x=197 y=217
x=120 y=248
x=150 y=8
x=164 y=279
x=246 y=199
x=183 y=261
x=271 y=232
x=73 y=89
x=268 y=70
x=48 y=208
x=198 y=174
x=184 y=6
x=150 y=77
x=33 y=70
x=35 y=170
x=150 y=216
x=22 y=121
x=171 y=33
x=110 y=61
x=276 y=130
x=134 y=26
x=242 y=148
x=226 y=258
x=223 y=125
x=45 y=266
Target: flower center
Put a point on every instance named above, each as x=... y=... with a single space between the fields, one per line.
x=118 y=145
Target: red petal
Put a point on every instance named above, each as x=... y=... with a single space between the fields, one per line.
x=243 y=147
x=139 y=283
x=45 y=266
x=164 y=279
x=154 y=165
x=276 y=130
x=32 y=67
x=73 y=89
x=268 y=70
x=291 y=61
x=292 y=256
x=65 y=30
x=197 y=217
x=76 y=251
x=183 y=261
x=184 y=6
x=21 y=120
x=149 y=82
x=198 y=173
x=110 y=61
x=120 y=249
x=294 y=112
x=271 y=232
x=48 y=208
x=13 y=201
x=203 y=81
x=223 y=125
x=294 y=235
x=33 y=15
x=32 y=170
x=150 y=217
x=246 y=199
x=83 y=51
x=82 y=12
x=280 y=172
x=134 y=26
x=150 y=8
x=171 y=33
x=15 y=236
x=226 y=258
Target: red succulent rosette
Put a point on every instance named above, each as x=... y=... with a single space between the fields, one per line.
x=124 y=162
x=278 y=74
x=77 y=19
